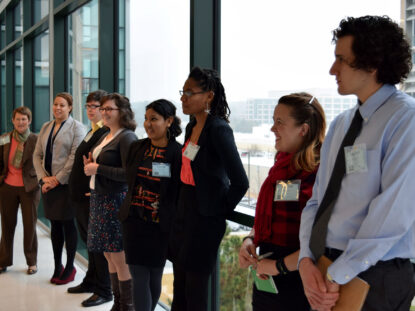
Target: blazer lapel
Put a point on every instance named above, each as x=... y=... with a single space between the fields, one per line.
x=45 y=136
x=6 y=152
x=28 y=146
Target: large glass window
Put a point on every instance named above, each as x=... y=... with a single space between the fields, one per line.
x=158 y=63
x=3 y=113
x=18 y=20
x=40 y=9
x=121 y=46
x=83 y=56
x=271 y=49
x=41 y=80
x=157 y=66
x=18 y=77
x=2 y=33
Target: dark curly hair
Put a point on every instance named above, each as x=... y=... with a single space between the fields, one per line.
x=208 y=80
x=166 y=109
x=378 y=43
x=126 y=114
x=305 y=108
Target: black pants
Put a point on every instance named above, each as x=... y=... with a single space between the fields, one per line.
x=97 y=277
x=190 y=290
x=290 y=288
x=392 y=284
x=193 y=249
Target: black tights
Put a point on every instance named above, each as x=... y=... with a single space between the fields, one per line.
x=64 y=231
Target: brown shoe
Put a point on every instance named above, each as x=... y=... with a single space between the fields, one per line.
x=31 y=271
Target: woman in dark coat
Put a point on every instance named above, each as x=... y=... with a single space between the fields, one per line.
x=153 y=174
x=213 y=181
x=107 y=167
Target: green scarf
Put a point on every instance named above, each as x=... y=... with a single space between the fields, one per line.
x=21 y=139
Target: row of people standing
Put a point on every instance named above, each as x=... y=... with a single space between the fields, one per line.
x=148 y=200
x=140 y=181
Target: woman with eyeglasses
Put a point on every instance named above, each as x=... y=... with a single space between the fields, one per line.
x=213 y=181
x=53 y=159
x=107 y=167
x=153 y=174
x=299 y=129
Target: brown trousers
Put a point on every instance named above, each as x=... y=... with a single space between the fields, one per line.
x=10 y=198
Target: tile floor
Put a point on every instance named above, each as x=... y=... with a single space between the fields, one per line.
x=22 y=292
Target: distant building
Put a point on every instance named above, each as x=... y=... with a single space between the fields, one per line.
x=408 y=23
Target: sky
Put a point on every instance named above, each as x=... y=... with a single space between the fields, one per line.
x=266 y=44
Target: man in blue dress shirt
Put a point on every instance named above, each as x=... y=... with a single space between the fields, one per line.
x=371 y=231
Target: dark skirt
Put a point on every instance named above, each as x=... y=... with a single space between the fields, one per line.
x=195 y=239
x=290 y=287
x=57 y=205
x=144 y=242
x=104 y=228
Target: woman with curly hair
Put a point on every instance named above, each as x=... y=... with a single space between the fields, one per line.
x=213 y=181
x=106 y=165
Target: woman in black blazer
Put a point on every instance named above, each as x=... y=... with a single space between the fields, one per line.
x=106 y=166
x=213 y=182
x=153 y=173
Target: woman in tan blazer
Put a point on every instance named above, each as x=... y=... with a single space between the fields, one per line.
x=18 y=185
x=53 y=159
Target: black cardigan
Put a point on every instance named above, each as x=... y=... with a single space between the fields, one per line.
x=169 y=186
x=219 y=175
x=112 y=160
x=78 y=181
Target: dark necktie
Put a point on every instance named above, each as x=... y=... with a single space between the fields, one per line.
x=319 y=231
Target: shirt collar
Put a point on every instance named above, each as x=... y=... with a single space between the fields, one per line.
x=97 y=126
x=374 y=102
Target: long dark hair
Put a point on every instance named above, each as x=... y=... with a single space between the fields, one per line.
x=208 y=80
x=166 y=109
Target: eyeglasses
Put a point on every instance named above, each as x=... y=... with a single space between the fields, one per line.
x=93 y=107
x=108 y=109
x=190 y=93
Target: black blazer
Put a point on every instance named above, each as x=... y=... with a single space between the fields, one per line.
x=169 y=187
x=112 y=160
x=78 y=181
x=220 y=178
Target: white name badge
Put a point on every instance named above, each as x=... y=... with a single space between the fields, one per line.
x=88 y=136
x=287 y=190
x=161 y=169
x=356 y=158
x=4 y=139
x=191 y=151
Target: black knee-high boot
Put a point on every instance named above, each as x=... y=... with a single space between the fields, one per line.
x=115 y=284
x=126 y=295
